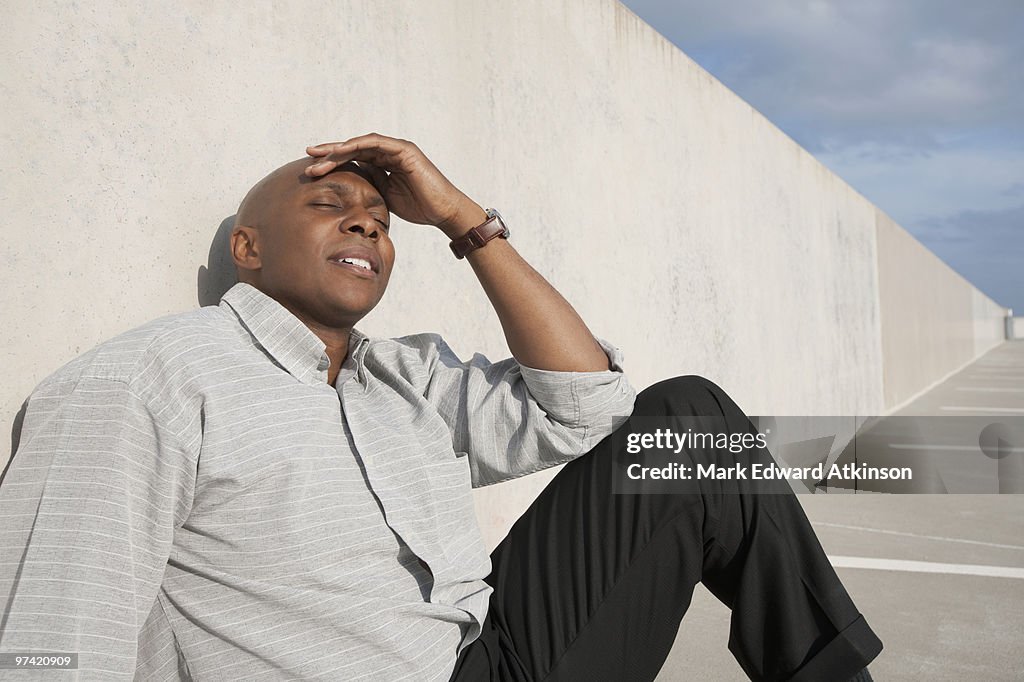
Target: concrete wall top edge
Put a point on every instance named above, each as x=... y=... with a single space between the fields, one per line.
x=887 y=219
x=664 y=43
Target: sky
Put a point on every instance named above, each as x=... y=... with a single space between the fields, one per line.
x=917 y=104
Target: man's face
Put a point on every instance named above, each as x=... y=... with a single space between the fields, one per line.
x=312 y=241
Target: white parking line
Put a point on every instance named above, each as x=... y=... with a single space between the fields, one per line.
x=926 y=567
x=983 y=389
x=1009 y=368
x=961 y=408
x=957 y=448
x=917 y=535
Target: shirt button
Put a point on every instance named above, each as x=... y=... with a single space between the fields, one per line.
x=325 y=362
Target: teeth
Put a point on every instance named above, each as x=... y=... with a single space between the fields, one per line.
x=357 y=261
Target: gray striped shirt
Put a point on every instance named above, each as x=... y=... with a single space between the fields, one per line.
x=192 y=498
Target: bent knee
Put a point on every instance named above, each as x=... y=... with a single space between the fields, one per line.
x=688 y=394
x=688 y=383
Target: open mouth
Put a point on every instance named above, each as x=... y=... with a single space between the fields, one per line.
x=359 y=259
x=361 y=262
x=359 y=266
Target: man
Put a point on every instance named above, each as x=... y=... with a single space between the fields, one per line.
x=257 y=490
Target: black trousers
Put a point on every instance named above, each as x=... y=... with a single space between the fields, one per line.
x=592 y=585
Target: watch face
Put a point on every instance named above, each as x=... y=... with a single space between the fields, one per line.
x=493 y=213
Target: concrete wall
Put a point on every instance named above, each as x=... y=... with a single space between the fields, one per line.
x=682 y=224
x=933 y=320
x=989 y=321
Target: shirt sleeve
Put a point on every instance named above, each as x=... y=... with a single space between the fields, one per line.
x=88 y=509
x=513 y=420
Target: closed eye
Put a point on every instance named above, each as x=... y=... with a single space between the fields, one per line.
x=384 y=224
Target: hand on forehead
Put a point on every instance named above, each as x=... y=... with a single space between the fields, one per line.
x=279 y=183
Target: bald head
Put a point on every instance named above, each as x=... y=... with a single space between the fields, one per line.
x=266 y=196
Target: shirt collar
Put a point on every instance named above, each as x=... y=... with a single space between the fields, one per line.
x=284 y=337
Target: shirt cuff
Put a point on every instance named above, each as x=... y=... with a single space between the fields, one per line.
x=583 y=398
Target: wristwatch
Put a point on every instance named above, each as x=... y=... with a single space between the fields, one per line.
x=493 y=227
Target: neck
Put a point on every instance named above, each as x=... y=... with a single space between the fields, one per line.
x=335 y=338
x=336 y=341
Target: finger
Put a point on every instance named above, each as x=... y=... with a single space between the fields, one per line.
x=370 y=157
x=321 y=149
x=328 y=164
x=322 y=167
x=374 y=148
x=326 y=148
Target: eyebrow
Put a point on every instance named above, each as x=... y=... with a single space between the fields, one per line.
x=346 y=191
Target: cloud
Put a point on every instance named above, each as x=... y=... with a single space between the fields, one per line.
x=835 y=73
x=1014 y=190
x=989 y=245
x=913 y=187
x=1004 y=226
x=918 y=104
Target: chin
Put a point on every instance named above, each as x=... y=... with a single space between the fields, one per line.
x=348 y=312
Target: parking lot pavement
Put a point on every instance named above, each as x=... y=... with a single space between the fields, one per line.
x=940 y=578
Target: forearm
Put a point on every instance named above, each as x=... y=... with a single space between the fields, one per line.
x=541 y=328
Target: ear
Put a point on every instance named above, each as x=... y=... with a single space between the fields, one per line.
x=245 y=248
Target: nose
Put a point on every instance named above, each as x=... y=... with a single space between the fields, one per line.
x=365 y=225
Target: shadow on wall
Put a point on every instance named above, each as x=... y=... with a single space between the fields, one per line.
x=218 y=275
x=19 y=419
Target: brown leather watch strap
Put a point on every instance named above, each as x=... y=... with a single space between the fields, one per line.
x=491 y=228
